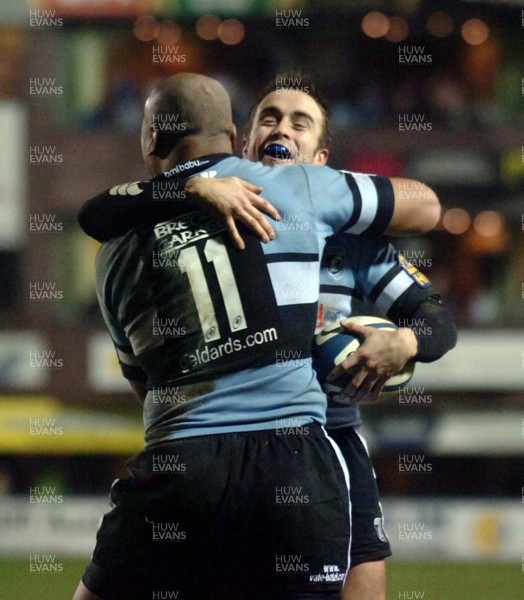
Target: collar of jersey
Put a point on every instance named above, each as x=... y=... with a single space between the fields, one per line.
x=195 y=165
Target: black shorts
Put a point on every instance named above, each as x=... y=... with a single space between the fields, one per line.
x=233 y=516
x=369 y=541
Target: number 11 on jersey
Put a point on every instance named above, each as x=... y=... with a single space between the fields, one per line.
x=190 y=263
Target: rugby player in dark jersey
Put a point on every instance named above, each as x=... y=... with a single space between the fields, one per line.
x=232 y=392
x=288 y=126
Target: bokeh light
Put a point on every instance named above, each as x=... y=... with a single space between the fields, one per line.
x=456 y=221
x=169 y=33
x=475 y=32
x=488 y=223
x=231 y=32
x=375 y=24
x=207 y=27
x=146 y=28
x=440 y=24
x=398 y=29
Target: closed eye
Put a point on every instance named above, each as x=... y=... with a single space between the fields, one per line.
x=268 y=120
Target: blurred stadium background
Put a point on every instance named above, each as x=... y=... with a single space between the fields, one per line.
x=427 y=89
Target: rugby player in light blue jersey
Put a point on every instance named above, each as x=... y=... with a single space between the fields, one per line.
x=289 y=125
x=225 y=377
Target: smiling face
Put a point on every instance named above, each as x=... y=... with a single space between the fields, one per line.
x=286 y=129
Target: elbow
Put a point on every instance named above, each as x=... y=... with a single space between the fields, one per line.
x=429 y=211
x=434 y=210
x=84 y=218
x=89 y=223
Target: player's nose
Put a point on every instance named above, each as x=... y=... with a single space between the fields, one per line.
x=281 y=130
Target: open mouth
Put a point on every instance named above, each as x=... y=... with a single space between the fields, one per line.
x=277 y=152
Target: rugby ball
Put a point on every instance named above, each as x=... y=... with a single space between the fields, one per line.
x=334 y=344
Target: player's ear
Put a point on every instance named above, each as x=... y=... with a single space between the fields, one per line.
x=244 y=147
x=321 y=157
x=233 y=135
x=153 y=141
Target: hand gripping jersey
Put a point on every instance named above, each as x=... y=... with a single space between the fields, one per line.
x=223 y=336
x=359 y=275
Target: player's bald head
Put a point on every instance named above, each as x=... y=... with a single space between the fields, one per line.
x=198 y=104
x=186 y=114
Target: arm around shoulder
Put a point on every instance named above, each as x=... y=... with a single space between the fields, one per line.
x=417 y=208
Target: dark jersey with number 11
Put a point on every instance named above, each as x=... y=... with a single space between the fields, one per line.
x=223 y=336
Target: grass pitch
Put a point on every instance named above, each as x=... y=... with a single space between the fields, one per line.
x=406 y=581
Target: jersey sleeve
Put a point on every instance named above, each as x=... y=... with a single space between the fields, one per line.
x=351 y=203
x=385 y=278
x=129 y=363
x=141 y=203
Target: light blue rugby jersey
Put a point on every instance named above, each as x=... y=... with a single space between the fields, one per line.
x=365 y=276
x=223 y=336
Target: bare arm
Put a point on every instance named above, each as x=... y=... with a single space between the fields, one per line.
x=417 y=208
x=115 y=212
x=235 y=199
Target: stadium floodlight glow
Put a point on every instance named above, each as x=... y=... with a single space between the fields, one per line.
x=456 y=221
x=146 y=28
x=475 y=32
x=375 y=24
x=488 y=223
x=231 y=32
x=398 y=29
x=169 y=33
x=207 y=27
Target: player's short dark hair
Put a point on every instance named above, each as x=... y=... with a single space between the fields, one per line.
x=299 y=83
